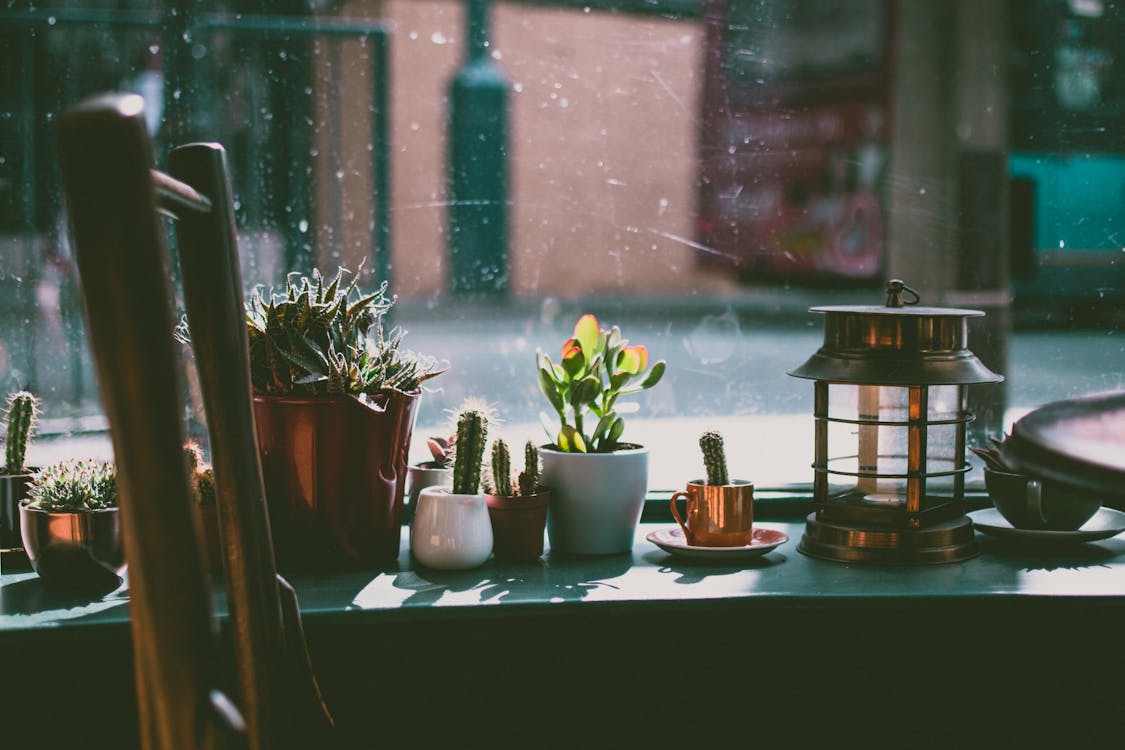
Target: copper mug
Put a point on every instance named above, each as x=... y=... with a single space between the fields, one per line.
x=717 y=515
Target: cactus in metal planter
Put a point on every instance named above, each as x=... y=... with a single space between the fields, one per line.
x=23 y=411
x=529 y=477
x=472 y=433
x=72 y=486
x=714 y=458
x=501 y=469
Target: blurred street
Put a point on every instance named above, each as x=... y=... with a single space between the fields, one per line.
x=726 y=371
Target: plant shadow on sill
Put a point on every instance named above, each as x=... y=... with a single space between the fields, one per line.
x=697 y=571
x=34 y=596
x=536 y=581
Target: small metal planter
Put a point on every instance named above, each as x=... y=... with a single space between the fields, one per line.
x=79 y=549
x=517 y=525
x=13 y=491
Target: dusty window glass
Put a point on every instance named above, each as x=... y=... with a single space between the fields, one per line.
x=699 y=172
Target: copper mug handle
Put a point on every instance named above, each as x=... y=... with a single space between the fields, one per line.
x=676 y=513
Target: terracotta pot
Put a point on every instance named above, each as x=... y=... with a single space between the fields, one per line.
x=517 y=525
x=335 y=472
x=13 y=491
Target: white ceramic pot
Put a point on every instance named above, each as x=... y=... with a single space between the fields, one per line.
x=450 y=531
x=596 y=499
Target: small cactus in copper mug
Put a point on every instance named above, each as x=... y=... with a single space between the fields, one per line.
x=472 y=433
x=714 y=458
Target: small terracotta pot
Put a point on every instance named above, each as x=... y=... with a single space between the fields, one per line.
x=517 y=525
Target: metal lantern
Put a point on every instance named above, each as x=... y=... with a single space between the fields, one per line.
x=890 y=410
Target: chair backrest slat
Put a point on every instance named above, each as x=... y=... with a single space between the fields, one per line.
x=106 y=164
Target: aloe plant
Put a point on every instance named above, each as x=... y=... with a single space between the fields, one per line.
x=714 y=458
x=596 y=368
x=21 y=418
x=324 y=338
x=74 y=485
x=472 y=433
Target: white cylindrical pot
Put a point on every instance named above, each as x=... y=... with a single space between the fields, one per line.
x=596 y=499
x=450 y=531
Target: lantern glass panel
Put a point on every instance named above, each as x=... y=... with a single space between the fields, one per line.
x=869 y=442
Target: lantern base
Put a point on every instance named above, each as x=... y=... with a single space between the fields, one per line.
x=946 y=542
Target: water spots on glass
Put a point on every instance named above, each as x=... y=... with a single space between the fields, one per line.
x=303 y=225
x=517 y=87
x=413 y=36
x=415 y=126
x=51 y=20
x=438 y=38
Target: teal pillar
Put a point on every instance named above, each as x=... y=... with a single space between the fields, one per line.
x=478 y=167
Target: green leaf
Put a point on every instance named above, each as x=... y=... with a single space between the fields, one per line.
x=550 y=390
x=616 y=430
x=586 y=331
x=570 y=440
x=585 y=391
x=654 y=375
x=603 y=427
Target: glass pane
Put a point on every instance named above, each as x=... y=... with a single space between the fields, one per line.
x=697 y=173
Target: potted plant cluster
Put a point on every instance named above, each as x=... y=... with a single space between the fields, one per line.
x=452 y=530
x=70 y=525
x=597 y=481
x=518 y=509
x=334 y=402
x=20 y=421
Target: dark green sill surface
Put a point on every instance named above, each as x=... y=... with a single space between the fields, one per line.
x=646 y=579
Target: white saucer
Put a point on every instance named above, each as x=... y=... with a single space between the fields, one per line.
x=672 y=541
x=1106 y=523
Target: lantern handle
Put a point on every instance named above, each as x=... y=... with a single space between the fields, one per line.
x=895 y=290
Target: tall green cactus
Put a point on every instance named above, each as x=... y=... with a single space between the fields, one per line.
x=529 y=477
x=714 y=458
x=23 y=410
x=472 y=433
x=501 y=469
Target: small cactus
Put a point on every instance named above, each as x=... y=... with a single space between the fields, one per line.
x=23 y=411
x=501 y=469
x=472 y=433
x=714 y=458
x=529 y=477
x=200 y=474
x=74 y=485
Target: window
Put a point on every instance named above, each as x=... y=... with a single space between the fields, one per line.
x=697 y=171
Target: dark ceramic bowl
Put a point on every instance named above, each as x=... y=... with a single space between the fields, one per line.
x=74 y=549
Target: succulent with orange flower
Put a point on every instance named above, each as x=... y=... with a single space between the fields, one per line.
x=596 y=368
